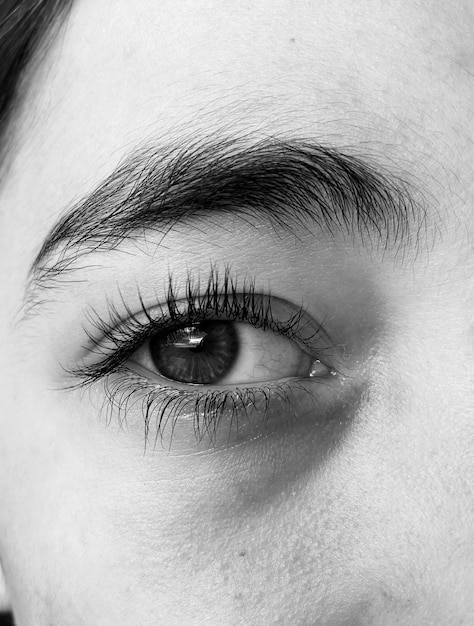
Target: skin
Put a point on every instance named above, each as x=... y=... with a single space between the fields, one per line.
x=370 y=525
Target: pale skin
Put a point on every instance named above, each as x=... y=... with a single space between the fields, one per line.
x=373 y=527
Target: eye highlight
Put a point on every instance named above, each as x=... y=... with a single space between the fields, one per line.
x=214 y=367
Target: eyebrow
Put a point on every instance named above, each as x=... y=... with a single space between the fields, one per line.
x=286 y=182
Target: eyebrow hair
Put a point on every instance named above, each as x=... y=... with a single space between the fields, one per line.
x=286 y=182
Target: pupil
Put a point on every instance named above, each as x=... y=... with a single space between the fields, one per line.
x=202 y=354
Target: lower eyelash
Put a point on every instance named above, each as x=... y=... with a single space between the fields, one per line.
x=164 y=407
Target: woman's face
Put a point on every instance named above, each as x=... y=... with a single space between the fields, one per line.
x=237 y=384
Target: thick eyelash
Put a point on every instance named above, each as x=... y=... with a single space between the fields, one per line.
x=222 y=298
x=116 y=340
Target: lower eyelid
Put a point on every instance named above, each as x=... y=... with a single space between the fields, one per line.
x=180 y=421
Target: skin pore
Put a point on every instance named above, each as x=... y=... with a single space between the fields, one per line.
x=360 y=509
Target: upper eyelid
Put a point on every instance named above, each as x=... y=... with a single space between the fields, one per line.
x=127 y=333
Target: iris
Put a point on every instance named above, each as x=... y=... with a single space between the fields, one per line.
x=202 y=354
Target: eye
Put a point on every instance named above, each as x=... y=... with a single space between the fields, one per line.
x=216 y=367
x=217 y=352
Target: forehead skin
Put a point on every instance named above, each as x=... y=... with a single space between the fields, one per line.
x=93 y=532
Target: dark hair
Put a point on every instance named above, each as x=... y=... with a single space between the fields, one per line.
x=24 y=25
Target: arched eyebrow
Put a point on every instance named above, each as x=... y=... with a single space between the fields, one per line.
x=286 y=182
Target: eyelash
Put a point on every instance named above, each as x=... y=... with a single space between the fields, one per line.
x=117 y=339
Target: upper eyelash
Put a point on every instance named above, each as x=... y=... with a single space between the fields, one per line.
x=222 y=296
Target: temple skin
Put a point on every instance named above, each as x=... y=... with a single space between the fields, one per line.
x=367 y=521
